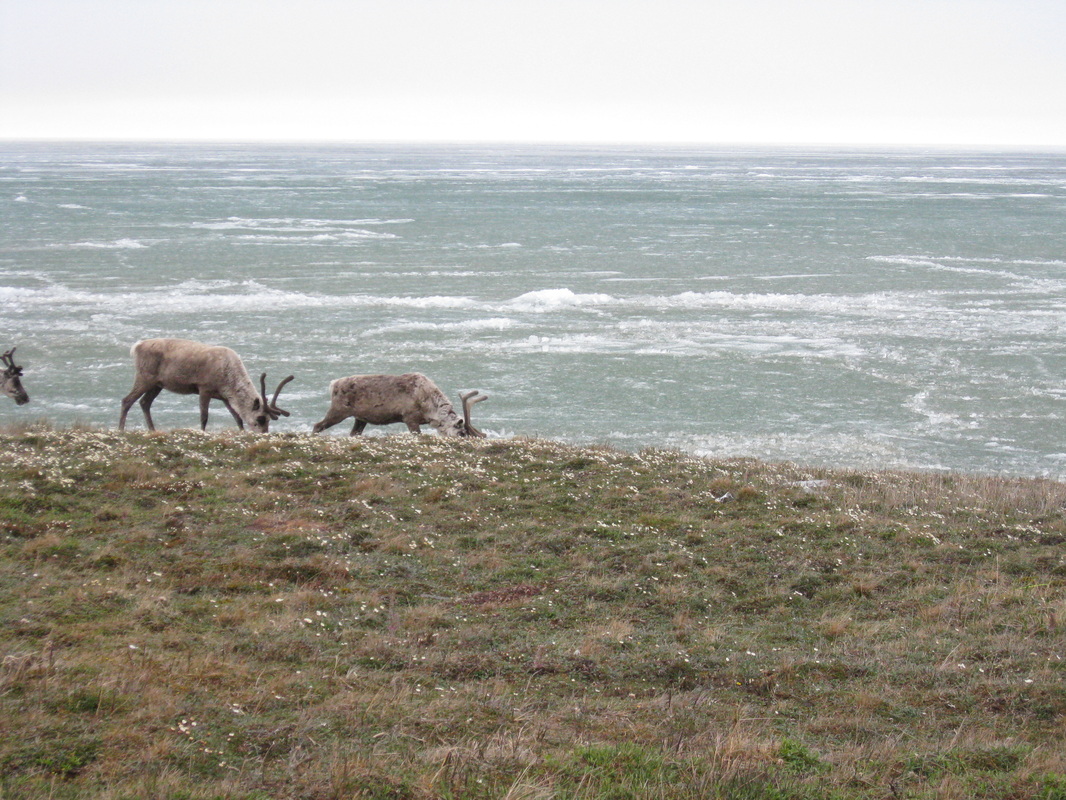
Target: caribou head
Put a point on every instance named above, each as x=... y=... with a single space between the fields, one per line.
x=9 y=380
x=270 y=407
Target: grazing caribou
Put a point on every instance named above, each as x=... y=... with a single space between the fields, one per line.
x=214 y=373
x=412 y=399
x=9 y=379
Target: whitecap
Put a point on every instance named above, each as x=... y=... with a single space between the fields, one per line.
x=906 y=261
x=489 y=324
x=866 y=305
x=199 y=296
x=934 y=420
x=276 y=225
x=553 y=299
x=432 y=301
x=207 y=285
x=572 y=343
x=118 y=244
x=428 y=302
x=934 y=263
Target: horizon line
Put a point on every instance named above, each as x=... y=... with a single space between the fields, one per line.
x=517 y=142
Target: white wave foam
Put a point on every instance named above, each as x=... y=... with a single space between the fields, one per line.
x=213 y=295
x=865 y=305
x=491 y=324
x=935 y=264
x=686 y=324
x=571 y=343
x=118 y=244
x=919 y=404
x=218 y=285
x=292 y=224
x=435 y=301
x=313 y=238
x=543 y=300
x=207 y=296
x=905 y=261
x=1037 y=262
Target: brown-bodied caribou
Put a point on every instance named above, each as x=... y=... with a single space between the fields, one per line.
x=411 y=398
x=212 y=372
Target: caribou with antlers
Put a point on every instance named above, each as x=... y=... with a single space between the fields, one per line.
x=214 y=373
x=412 y=399
x=9 y=379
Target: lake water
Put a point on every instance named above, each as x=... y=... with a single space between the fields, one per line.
x=851 y=308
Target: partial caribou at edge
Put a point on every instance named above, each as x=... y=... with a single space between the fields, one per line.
x=212 y=372
x=10 y=379
x=411 y=398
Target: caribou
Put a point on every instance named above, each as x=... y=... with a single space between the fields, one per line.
x=412 y=399
x=214 y=373
x=9 y=379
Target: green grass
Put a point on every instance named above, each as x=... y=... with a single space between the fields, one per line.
x=287 y=616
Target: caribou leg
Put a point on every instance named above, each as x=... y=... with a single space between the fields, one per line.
x=205 y=401
x=140 y=392
x=146 y=405
x=236 y=416
x=332 y=417
x=127 y=404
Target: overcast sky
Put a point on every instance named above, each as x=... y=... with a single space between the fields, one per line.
x=955 y=72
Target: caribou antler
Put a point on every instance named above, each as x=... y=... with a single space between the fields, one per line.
x=469 y=398
x=271 y=407
x=9 y=362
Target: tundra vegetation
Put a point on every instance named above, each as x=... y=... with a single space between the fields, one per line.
x=287 y=616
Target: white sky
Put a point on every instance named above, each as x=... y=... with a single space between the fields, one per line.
x=954 y=72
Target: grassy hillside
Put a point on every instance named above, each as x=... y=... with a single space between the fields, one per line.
x=232 y=616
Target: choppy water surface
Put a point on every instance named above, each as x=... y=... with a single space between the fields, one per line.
x=859 y=309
